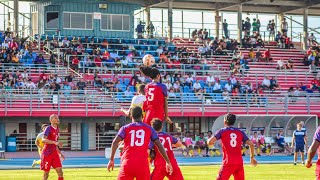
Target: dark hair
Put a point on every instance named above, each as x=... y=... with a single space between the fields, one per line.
x=230 y=119
x=210 y=132
x=255 y=132
x=202 y=134
x=150 y=72
x=136 y=113
x=141 y=89
x=156 y=124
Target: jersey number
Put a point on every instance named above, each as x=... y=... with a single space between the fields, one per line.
x=151 y=94
x=233 y=142
x=162 y=140
x=137 y=137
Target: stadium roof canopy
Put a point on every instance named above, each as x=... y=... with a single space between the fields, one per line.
x=253 y=6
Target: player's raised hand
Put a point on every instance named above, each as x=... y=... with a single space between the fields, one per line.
x=168 y=120
x=253 y=162
x=110 y=165
x=169 y=168
x=62 y=157
x=60 y=144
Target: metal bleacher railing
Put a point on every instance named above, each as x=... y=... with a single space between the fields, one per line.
x=96 y=103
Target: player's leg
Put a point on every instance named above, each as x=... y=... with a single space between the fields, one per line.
x=158 y=173
x=176 y=175
x=56 y=164
x=142 y=173
x=45 y=175
x=317 y=172
x=225 y=172
x=295 y=154
x=238 y=173
x=302 y=154
x=45 y=165
x=125 y=173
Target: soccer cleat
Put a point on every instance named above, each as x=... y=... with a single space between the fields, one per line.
x=302 y=162
x=243 y=154
x=295 y=163
x=258 y=155
x=207 y=155
x=33 y=164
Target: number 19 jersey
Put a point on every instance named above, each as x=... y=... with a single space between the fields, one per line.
x=231 y=140
x=154 y=104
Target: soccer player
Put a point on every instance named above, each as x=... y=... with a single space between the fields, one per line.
x=168 y=141
x=134 y=159
x=201 y=144
x=50 y=153
x=137 y=100
x=299 y=139
x=156 y=104
x=39 y=144
x=312 y=151
x=211 y=148
x=231 y=139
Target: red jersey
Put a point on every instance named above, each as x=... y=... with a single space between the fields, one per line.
x=231 y=140
x=53 y=135
x=136 y=137
x=154 y=104
x=166 y=140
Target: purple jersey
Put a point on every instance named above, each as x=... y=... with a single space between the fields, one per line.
x=316 y=137
x=53 y=135
x=136 y=137
x=231 y=140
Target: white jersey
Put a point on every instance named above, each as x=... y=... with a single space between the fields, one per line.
x=138 y=100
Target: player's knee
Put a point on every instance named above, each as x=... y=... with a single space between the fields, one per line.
x=45 y=175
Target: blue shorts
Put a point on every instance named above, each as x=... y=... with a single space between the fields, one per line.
x=299 y=148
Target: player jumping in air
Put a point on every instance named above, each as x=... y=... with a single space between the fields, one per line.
x=39 y=144
x=137 y=100
x=231 y=140
x=156 y=104
x=159 y=171
x=134 y=159
x=51 y=154
x=312 y=151
x=299 y=140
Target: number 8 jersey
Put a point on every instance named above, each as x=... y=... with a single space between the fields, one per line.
x=155 y=98
x=231 y=140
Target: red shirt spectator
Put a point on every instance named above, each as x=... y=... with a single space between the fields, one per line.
x=97 y=61
x=316 y=82
x=105 y=55
x=13 y=44
x=176 y=64
x=309 y=52
x=75 y=61
x=43 y=77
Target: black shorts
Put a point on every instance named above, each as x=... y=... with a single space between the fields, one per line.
x=299 y=148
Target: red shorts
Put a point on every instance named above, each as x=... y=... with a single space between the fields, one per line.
x=159 y=172
x=47 y=161
x=227 y=170
x=150 y=116
x=318 y=171
x=129 y=172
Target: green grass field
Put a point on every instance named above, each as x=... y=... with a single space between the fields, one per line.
x=261 y=172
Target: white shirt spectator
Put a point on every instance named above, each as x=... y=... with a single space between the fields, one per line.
x=266 y=82
x=228 y=87
x=202 y=50
x=168 y=84
x=280 y=63
x=5 y=44
x=58 y=80
x=225 y=95
x=233 y=80
x=25 y=75
x=114 y=55
x=176 y=85
x=124 y=62
x=128 y=93
x=210 y=79
x=142 y=79
x=30 y=85
x=217 y=86
x=189 y=79
x=196 y=85
x=66 y=42
x=159 y=50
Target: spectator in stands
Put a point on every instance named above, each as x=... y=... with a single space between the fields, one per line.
x=189 y=80
x=118 y=87
x=313 y=68
x=252 y=55
x=284 y=26
x=274 y=84
x=98 y=61
x=266 y=83
x=43 y=76
x=233 y=80
x=267 y=55
x=55 y=91
x=281 y=143
x=39 y=60
x=128 y=93
x=225 y=29
x=57 y=79
x=81 y=85
x=225 y=94
x=312 y=39
x=248 y=88
x=196 y=86
x=280 y=64
x=150 y=29
x=25 y=74
x=65 y=43
x=228 y=86
x=140 y=30
x=202 y=50
x=201 y=144
x=109 y=84
x=289 y=64
x=168 y=84
x=194 y=33
x=210 y=80
x=205 y=34
x=315 y=83
x=67 y=91
x=217 y=87
x=69 y=79
x=259 y=55
x=176 y=87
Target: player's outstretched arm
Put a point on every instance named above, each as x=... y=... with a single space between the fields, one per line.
x=293 y=140
x=164 y=155
x=114 y=147
x=211 y=141
x=253 y=161
x=126 y=112
x=311 y=152
x=178 y=144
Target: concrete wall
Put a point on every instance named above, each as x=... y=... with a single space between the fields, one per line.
x=92 y=135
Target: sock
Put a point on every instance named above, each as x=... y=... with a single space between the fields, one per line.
x=211 y=152
x=38 y=162
x=218 y=153
x=258 y=151
x=191 y=151
x=268 y=151
x=199 y=151
x=243 y=150
x=60 y=178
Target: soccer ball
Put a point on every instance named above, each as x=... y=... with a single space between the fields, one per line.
x=148 y=60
